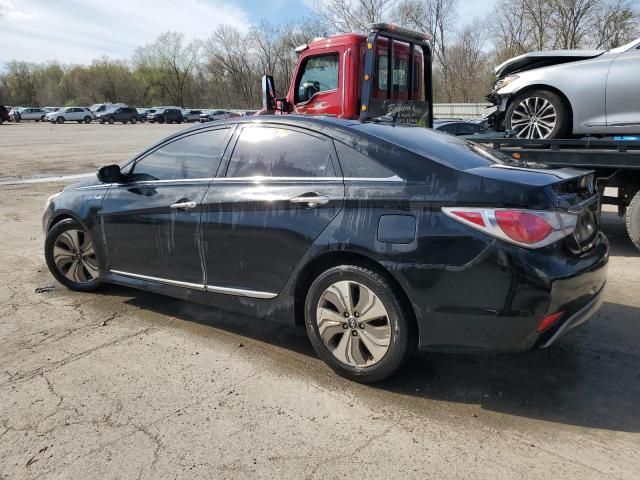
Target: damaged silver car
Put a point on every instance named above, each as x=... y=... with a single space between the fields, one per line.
x=559 y=93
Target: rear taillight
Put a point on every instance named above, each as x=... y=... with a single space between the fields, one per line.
x=549 y=320
x=527 y=228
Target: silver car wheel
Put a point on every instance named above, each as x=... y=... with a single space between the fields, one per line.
x=534 y=118
x=353 y=324
x=75 y=257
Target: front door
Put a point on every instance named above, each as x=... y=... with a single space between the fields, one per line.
x=151 y=222
x=317 y=89
x=623 y=92
x=281 y=190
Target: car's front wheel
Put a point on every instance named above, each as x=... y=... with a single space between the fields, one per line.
x=60 y=120
x=356 y=323
x=87 y=119
x=538 y=114
x=71 y=256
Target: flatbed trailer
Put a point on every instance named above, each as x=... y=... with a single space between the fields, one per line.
x=616 y=163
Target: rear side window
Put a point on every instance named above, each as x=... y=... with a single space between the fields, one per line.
x=280 y=152
x=356 y=165
x=195 y=156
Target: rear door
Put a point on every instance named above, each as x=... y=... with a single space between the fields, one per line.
x=151 y=223
x=280 y=191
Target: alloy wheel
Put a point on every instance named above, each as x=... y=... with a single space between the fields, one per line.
x=75 y=257
x=353 y=324
x=534 y=118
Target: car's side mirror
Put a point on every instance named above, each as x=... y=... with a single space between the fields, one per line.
x=110 y=174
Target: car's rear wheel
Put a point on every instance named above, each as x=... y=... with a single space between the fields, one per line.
x=60 y=120
x=538 y=114
x=71 y=257
x=42 y=118
x=356 y=323
x=111 y=120
x=87 y=119
x=632 y=218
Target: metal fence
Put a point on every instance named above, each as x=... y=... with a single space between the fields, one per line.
x=459 y=110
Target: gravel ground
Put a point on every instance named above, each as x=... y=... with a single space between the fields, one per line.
x=126 y=384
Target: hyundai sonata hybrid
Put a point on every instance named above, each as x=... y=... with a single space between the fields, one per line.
x=377 y=237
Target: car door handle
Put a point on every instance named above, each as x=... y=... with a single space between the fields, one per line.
x=311 y=199
x=184 y=205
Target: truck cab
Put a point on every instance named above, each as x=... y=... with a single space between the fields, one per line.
x=360 y=76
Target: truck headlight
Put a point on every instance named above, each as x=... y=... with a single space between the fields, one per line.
x=503 y=82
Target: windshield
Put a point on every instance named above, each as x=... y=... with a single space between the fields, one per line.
x=95 y=107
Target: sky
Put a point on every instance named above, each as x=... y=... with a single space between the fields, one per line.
x=77 y=31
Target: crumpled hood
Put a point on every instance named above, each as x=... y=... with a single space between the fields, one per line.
x=532 y=60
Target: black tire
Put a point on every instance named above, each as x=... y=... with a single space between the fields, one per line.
x=60 y=120
x=52 y=236
x=143 y=120
x=399 y=320
x=87 y=119
x=562 y=126
x=632 y=219
x=161 y=120
x=42 y=118
x=111 y=120
x=134 y=120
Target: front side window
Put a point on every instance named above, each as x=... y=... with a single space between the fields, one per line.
x=280 y=152
x=195 y=156
x=319 y=74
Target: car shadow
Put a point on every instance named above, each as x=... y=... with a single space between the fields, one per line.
x=590 y=378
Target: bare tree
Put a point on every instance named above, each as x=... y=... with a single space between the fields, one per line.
x=354 y=15
x=168 y=65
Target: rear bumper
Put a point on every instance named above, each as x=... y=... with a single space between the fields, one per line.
x=578 y=318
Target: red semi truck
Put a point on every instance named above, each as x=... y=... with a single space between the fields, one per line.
x=357 y=76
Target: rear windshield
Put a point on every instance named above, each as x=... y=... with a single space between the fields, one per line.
x=440 y=147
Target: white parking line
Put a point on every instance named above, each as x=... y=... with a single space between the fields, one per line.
x=59 y=178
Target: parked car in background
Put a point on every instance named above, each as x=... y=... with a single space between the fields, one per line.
x=212 y=115
x=70 y=114
x=29 y=113
x=191 y=115
x=118 y=114
x=51 y=109
x=458 y=127
x=464 y=253
x=143 y=113
x=165 y=115
x=559 y=93
x=4 y=115
x=103 y=107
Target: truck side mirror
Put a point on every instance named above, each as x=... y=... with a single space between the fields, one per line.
x=268 y=93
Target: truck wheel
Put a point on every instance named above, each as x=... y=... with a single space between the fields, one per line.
x=538 y=114
x=632 y=218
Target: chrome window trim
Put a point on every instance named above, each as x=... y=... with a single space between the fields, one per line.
x=261 y=179
x=240 y=292
x=167 y=281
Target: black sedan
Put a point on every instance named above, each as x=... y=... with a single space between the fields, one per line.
x=377 y=237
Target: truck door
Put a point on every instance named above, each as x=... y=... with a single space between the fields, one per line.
x=319 y=84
